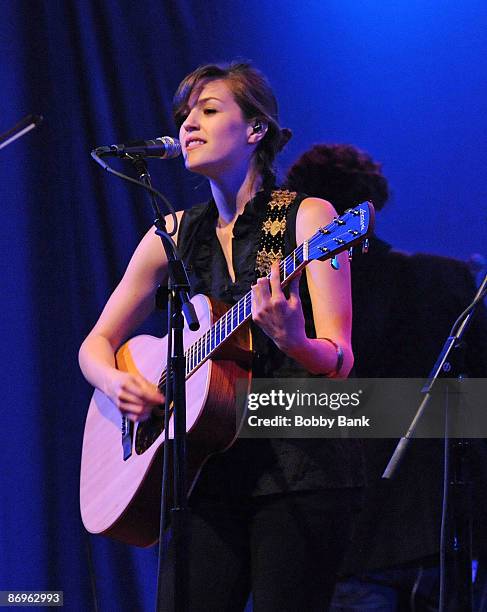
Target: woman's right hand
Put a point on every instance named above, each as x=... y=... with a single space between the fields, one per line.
x=135 y=396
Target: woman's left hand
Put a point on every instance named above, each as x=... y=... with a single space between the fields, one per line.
x=280 y=318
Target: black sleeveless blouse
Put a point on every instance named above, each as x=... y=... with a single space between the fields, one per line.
x=260 y=467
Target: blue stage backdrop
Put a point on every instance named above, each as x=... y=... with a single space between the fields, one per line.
x=403 y=80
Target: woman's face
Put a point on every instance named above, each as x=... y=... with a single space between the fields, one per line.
x=215 y=135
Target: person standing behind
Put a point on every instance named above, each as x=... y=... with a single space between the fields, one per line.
x=403 y=308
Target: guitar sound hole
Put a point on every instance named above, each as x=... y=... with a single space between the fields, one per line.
x=149 y=431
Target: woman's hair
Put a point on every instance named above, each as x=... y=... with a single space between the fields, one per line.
x=340 y=173
x=253 y=95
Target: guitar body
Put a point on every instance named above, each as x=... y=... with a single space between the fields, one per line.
x=120 y=497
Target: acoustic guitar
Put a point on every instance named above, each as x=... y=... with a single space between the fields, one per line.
x=121 y=463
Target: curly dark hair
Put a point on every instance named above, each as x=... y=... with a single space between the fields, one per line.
x=340 y=173
x=253 y=94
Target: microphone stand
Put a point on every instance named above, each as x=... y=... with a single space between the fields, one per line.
x=25 y=125
x=178 y=303
x=450 y=364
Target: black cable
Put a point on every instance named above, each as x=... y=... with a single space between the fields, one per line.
x=150 y=189
x=467 y=310
x=443 y=533
x=165 y=460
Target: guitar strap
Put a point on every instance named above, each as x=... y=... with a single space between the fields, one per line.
x=271 y=239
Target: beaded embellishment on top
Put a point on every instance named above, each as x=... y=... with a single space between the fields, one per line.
x=271 y=245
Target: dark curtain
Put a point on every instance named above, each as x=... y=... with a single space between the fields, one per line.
x=99 y=72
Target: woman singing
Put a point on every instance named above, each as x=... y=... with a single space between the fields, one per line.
x=267 y=516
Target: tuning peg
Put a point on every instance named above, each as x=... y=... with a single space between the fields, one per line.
x=365 y=246
x=350 y=254
x=334 y=263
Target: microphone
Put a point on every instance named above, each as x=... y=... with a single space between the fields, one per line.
x=163 y=147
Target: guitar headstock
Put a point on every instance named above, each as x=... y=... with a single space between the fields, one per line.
x=342 y=233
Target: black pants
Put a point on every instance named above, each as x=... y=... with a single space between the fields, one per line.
x=285 y=549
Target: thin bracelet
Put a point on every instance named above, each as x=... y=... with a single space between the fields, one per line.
x=339 y=363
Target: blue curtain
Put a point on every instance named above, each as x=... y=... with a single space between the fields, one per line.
x=98 y=72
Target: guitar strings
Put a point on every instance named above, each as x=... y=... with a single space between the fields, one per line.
x=202 y=348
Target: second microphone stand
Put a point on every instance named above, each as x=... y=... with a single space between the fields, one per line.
x=456 y=588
